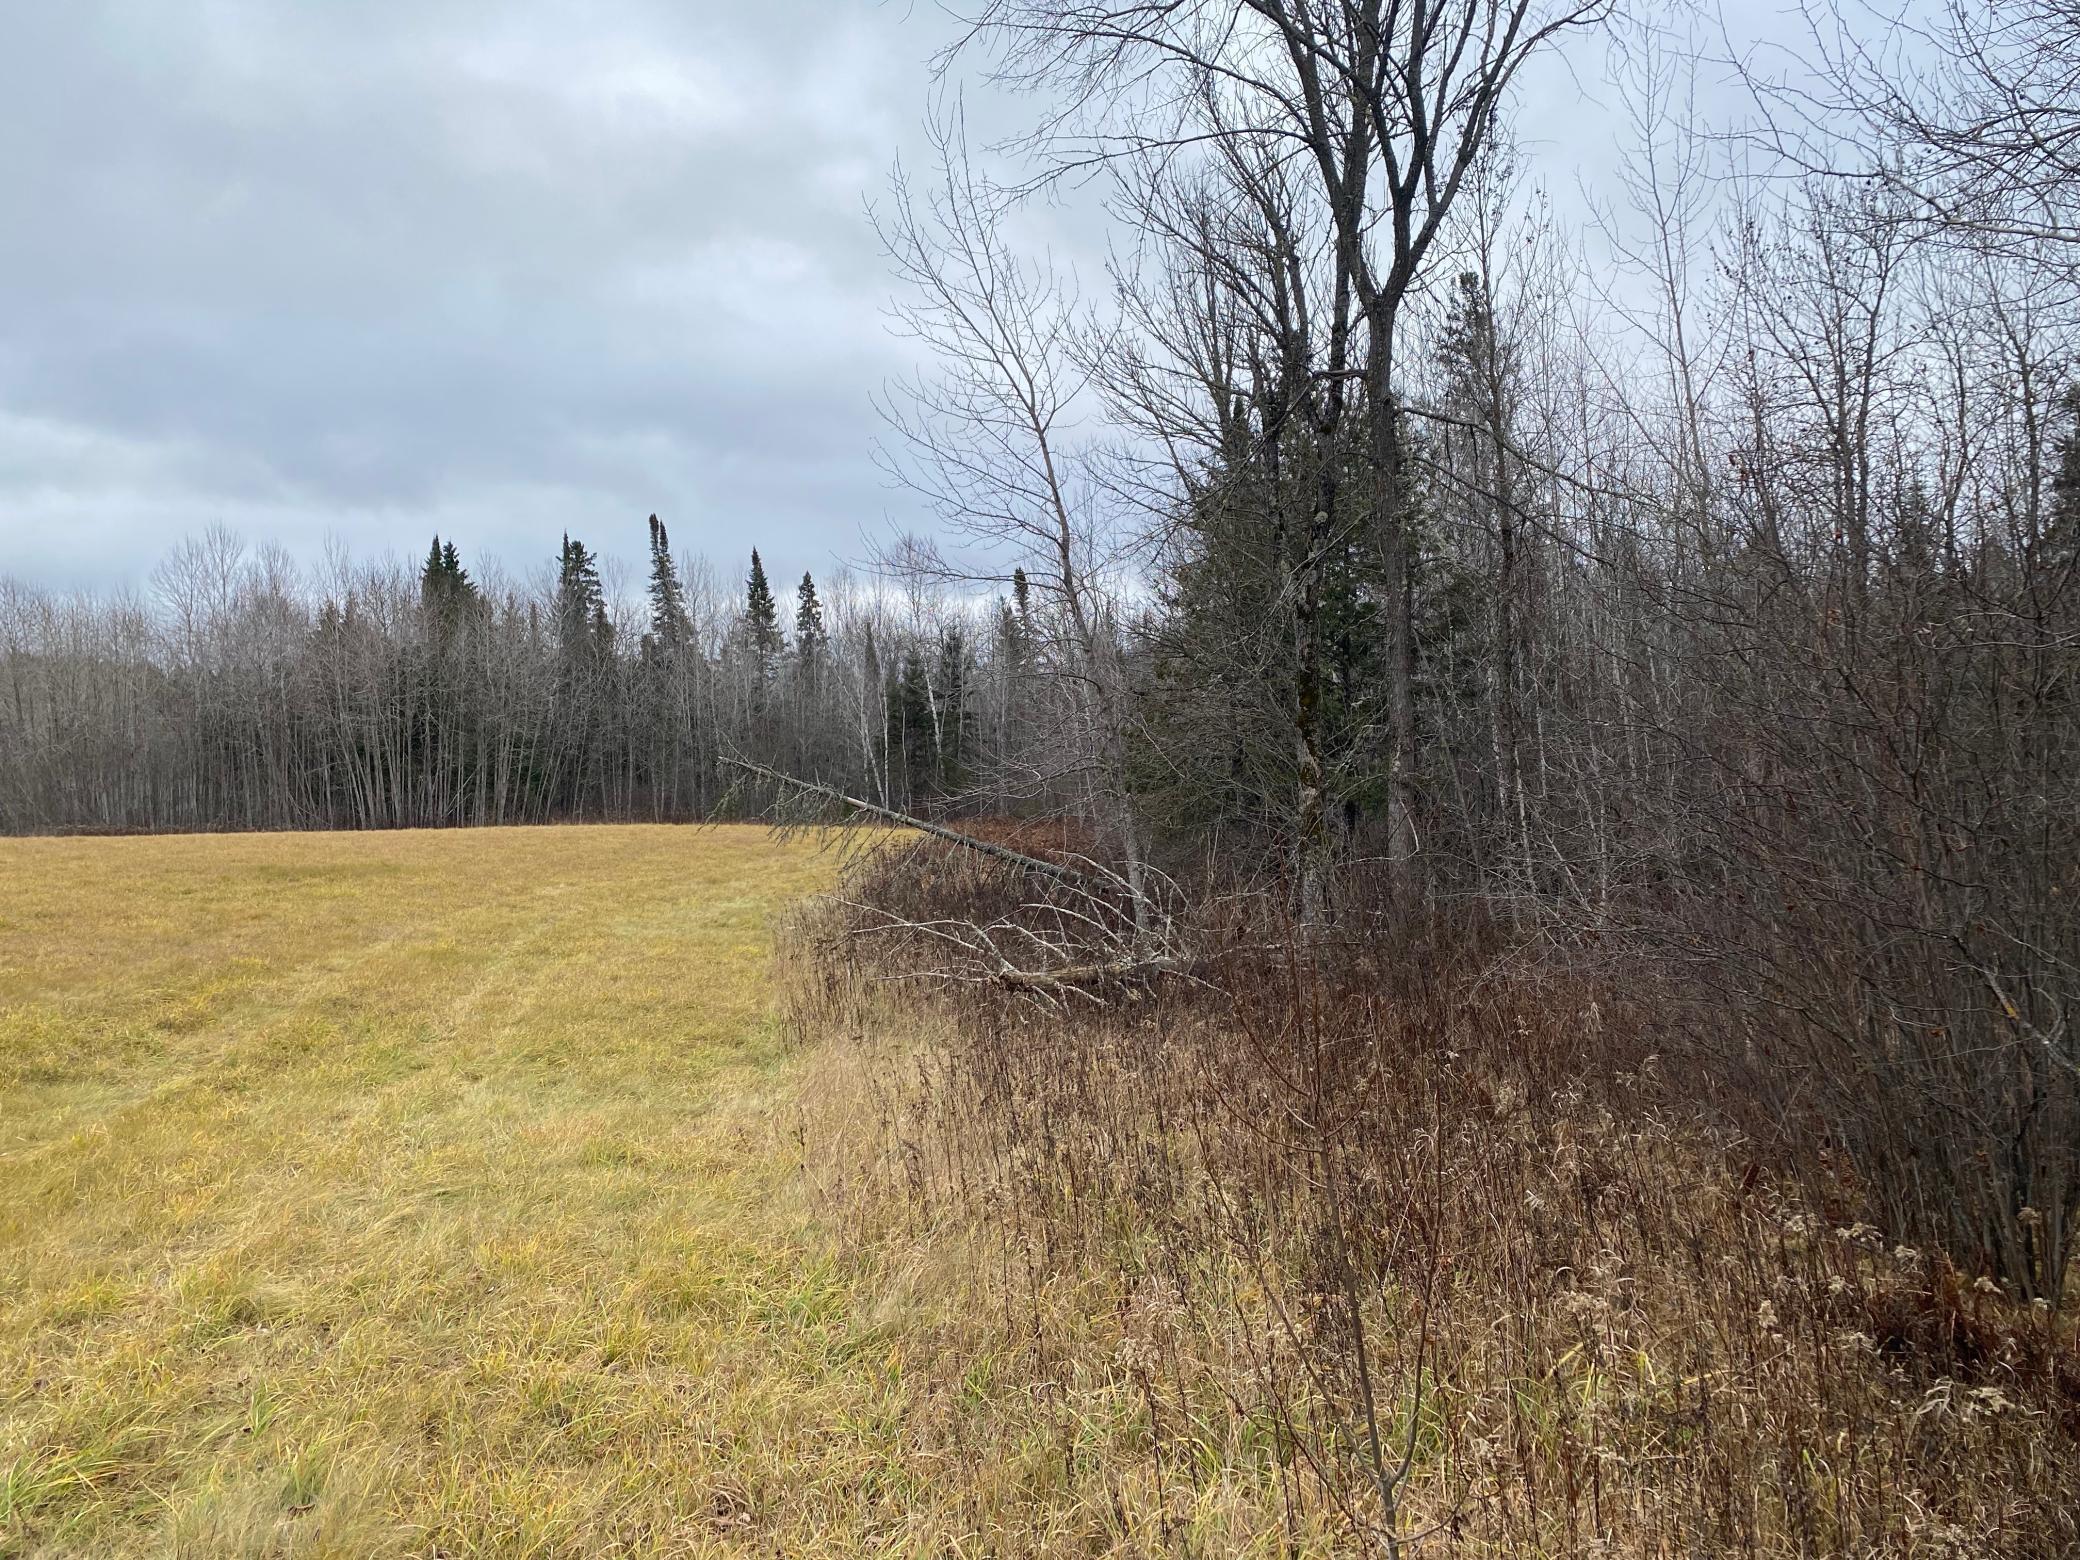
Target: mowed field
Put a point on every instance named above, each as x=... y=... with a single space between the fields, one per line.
x=420 y=1193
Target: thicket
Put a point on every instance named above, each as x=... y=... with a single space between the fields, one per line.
x=1559 y=1035
x=1383 y=1241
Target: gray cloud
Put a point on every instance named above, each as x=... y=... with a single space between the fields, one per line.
x=502 y=268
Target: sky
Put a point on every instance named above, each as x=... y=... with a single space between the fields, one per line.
x=496 y=269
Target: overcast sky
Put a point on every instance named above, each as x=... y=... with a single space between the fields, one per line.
x=492 y=268
x=396 y=266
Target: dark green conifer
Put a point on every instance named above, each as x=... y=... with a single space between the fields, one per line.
x=430 y=575
x=952 y=727
x=913 y=755
x=444 y=585
x=582 y=628
x=460 y=585
x=761 y=621
x=810 y=637
x=670 y=627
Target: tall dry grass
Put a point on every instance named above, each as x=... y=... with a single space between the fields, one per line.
x=1392 y=1248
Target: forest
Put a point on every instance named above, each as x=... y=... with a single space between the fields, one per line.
x=1672 y=627
x=239 y=695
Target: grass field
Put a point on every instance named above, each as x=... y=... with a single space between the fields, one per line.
x=502 y=1193
x=421 y=1193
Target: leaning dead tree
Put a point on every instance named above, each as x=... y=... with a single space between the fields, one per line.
x=859 y=804
x=1093 y=935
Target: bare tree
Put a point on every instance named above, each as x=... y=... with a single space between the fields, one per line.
x=1387 y=105
x=987 y=434
x=1969 y=117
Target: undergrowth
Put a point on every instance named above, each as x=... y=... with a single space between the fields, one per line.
x=1394 y=1248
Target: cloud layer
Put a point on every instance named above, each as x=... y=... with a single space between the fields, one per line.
x=497 y=268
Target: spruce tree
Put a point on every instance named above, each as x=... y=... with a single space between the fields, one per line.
x=460 y=585
x=953 y=709
x=911 y=741
x=670 y=627
x=810 y=638
x=444 y=585
x=582 y=629
x=761 y=621
x=430 y=575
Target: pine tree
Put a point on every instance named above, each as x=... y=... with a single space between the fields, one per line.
x=582 y=628
x=671 y=630
x=761 y=620
x=810 y=637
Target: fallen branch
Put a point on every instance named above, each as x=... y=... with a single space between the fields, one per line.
x=1051 y=869
x=1092 y=952
x=1068 y=969
x=1113 y=972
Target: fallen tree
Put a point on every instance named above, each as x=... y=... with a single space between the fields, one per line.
x=1055 y=870
x=1097 y=937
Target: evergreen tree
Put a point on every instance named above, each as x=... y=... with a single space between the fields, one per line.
x=444 y=585
x=761 y=621
x=913 y=750
x=756 y=637
x=585 y=648
x=810 y=637
x=430 y=575
x=671 y=630
x=582 y=628
x=952 y=728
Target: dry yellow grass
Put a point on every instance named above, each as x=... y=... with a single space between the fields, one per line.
x=424 y=1193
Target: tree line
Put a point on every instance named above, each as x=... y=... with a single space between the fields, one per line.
x=243 y=693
